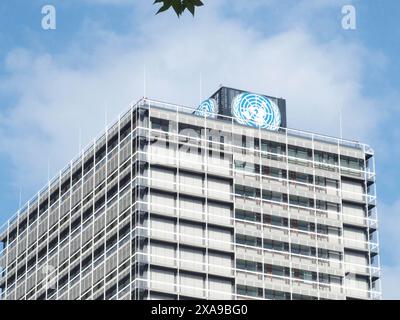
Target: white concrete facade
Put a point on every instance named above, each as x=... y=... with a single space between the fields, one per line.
x=169 y=205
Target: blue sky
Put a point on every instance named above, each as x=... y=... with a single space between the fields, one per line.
x=92 y=66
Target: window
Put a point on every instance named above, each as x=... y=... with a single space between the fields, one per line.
x=160 y=124
x=300 y=177
x=327 y=206
x=304 y=275
x=327 y=278
x=299 y=152
x=248 y=265
x=325 y=157
x=248 y=240
x=354 y=187
x=273 y=147
x=302 y=225
x=249 y=291
x=247 y=191
x=328 y=254
x=247 y=167
x=303 y=297
x=300 y=201
x=274 y=172
x=247 y=215
x=276 y=221
x=276 y=270
x=303 y=250
x=273 y=196
x=353 y=210
x=277 y=295
x=352 y=163
x=190 y=130
x=328 y=230
x=276 y=245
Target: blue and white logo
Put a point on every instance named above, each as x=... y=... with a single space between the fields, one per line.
x=256 y=111
x=207 y=108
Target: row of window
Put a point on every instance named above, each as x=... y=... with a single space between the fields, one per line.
x=282 y=174
x=264 y=145
x=38 y=211
x=284 y=247
x=270 y=294
x=284 y=222
x=287 y=272
x=55 y=241
x=251 y=192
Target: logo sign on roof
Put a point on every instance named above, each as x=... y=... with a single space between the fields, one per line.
x=207 y=108
x=256 y=111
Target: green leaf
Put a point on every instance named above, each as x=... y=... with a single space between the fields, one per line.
x=179 y=6
x=166 y=5
x=192 y=4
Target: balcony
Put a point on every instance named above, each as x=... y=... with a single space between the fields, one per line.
x=356 y=244
x=358 y=294
x=305 y=288
x=272 y=233
x=255 y=254
x=276 y=283
x=353 y=219
x=353 y=196
x=358 y=269
x=278 y=258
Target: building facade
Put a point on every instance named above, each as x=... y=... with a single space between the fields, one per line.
x=171 y=204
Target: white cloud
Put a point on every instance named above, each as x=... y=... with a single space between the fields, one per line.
x=56 y=98
x=59 y=95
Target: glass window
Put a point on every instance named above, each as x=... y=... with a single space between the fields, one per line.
x=248 y=240
x=276 y=245
x=300 y=201
x=299 y=152
x=325 y=157
x=247 y=191
x=300 y=177
x=277 y=295
x=274 y=172
x=273 y=147
x=352 y=163
x=248 y=215
x=276 y=270
x=160 y=124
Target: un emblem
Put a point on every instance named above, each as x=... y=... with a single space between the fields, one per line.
x=207 y=108
x=256 y=111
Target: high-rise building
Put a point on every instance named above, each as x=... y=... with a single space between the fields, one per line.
x=222 y=202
